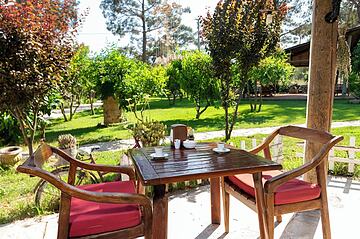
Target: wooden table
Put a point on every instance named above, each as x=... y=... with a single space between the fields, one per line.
x=199 y=163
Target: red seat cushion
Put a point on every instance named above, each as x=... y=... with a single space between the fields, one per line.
x=87 y=218
x=292 y=191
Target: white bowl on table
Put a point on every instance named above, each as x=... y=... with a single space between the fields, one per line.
x=189 y=144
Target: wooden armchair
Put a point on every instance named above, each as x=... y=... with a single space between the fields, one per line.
x=284 y=191
x=104 y=210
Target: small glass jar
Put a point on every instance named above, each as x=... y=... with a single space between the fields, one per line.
x=190 y=133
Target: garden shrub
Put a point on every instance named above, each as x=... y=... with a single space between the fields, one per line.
x=9 y=130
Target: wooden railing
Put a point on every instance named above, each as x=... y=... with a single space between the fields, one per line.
x=351 y=159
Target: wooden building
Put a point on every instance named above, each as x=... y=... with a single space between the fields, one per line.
x=299 y=54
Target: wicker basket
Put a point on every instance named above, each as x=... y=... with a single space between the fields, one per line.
x=10 y=155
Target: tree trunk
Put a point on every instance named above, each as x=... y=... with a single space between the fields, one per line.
x=144 y=40
x=260 y=99
x=199 y=111
x=227 y=133
x=322 y=73
x=74 y=108
x=249 y=97
x=91 y=99
x=234 y=118
x=62 y=108
x=112 y=112
x=23 y=126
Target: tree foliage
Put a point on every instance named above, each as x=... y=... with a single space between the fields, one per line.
x=109 y=69
x=297 y=23
x=271 y=72
x=354 y=79
x=198 y=80
x=237 y=33
x=350 y=13
x=172 y=85
x=36 y=45
x=144 y=20
x=77 y=82
x=143 y=81
x=9 y=130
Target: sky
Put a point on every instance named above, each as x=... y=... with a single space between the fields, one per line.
x=94 y=33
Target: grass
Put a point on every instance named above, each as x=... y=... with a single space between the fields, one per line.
x=85 y=127
x=274 y=113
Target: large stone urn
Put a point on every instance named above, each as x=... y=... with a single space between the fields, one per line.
x=10 y=155
x=112 y=112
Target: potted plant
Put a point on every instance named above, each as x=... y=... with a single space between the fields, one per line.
x=149 y=133
x=67 y=143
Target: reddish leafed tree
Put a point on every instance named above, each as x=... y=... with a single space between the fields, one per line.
x=37 y=39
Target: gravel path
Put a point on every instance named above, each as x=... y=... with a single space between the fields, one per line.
x=128 y=143
x=57 y=113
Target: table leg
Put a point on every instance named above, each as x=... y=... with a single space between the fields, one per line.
x=215 y=200
x=260 y=204
x=160 y=212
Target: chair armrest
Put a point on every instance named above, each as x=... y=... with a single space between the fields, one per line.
x=128 y=170
x=96 y=167
x=84 y=194
x=271 y=184
x=106 y=197
x=266 y=142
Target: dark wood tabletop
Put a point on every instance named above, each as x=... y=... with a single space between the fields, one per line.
x=201 y=162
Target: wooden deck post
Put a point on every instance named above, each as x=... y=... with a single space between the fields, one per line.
x=321 y=75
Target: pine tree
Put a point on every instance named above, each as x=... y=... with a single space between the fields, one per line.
x=142 y=20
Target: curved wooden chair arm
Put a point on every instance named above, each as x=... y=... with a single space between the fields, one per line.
x=266 y=143
x=271 y=184
x=128 y=170
x=83 y=194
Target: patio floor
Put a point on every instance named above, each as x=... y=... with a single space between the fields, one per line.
x=189 y=217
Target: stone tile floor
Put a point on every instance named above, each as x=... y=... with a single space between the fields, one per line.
x=189 y=217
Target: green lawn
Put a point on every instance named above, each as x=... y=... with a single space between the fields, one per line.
x=85 y=126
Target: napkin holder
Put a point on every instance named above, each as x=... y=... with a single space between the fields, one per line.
x=178 y=131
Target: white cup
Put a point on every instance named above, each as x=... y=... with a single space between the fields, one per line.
x=177 y=143
x=158 y=151
x=221 y=146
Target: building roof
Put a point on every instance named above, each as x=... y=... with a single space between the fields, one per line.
x=299 y=54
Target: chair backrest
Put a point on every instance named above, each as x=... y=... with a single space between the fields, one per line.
x=33 y=165
x=311 y=135
x=324 y=139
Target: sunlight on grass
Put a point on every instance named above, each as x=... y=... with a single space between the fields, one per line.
x=85 y=127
